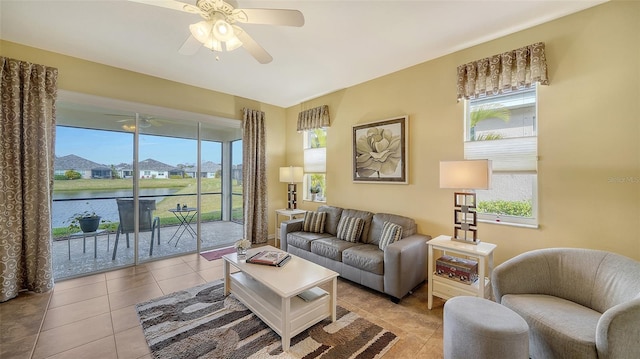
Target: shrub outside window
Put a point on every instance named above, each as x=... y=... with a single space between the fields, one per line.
x=503 y=129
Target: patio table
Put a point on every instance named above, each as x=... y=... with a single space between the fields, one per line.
x=84 y=235
x=184 y=215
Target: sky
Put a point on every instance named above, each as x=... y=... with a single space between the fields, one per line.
x=108 y=147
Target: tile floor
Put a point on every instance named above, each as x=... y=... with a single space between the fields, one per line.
x=94 y=316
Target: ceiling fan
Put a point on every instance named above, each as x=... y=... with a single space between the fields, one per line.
x=218 y=31
x=129 y=121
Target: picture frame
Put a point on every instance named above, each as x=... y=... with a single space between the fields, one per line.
x=380 y=151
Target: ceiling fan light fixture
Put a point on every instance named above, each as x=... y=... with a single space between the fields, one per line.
x=213 y=44
x=222 y=30
x=201 y=30
x=233 y=43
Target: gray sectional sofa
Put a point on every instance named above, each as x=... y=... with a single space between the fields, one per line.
x=396 y=270
x=578 y=303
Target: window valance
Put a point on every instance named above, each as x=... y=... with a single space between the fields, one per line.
x=317 y=117
x=503 y=72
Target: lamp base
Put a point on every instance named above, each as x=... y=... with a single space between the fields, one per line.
x=292 y=194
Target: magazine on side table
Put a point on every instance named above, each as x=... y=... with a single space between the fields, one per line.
x=270 y=258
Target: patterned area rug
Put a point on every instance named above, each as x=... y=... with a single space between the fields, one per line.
x=218 y=253
x=201 y=323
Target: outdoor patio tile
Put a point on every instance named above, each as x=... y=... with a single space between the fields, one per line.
x=104 y=348
x=129 y=282
x=171 y=271
x=77 y=294
x=74 y=312
x=124 y=318
x=179 y=283
x=131 y=343
x=66 y=337
x=79 y=282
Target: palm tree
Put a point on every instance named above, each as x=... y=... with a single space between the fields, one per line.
x=485 y=112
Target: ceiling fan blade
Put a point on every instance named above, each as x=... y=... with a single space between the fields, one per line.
x=170 y=4
x=254 y=49
x=190 y=46
x=283 y=17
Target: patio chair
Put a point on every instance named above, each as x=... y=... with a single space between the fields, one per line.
x=147 y=221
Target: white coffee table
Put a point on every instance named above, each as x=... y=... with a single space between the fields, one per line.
x=271 y=292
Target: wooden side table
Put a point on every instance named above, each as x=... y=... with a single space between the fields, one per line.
x=445 y=288
x=291 y=214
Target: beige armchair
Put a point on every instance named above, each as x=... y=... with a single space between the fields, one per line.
x=578 y=303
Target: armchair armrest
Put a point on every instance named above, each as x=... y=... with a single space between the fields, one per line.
x=507 y=278
x=405 y=263
x=286 y=227
x=618 y=331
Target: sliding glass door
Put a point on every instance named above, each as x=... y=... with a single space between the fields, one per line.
x=162 y=185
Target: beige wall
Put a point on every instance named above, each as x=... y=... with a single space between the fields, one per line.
x=589 y=130
x=589 y=133
x=106 y=81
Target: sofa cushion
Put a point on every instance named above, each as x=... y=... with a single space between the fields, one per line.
x=366 y=216
x=367 y=257
x=350 y=228
x=333 y=217
x=556 y=324
x=391 y=232
x=314 y=222
x=377 y=223
x=303 y=240
x=331 y=247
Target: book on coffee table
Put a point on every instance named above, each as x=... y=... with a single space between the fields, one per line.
x=270 y=258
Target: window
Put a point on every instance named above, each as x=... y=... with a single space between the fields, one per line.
x=504 y=129
x=315 y=143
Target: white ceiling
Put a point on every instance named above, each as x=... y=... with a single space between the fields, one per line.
x=342 y=43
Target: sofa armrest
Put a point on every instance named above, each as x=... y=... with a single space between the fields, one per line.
x=286 y=227
x=618 y=331
x=527 y=273
x=405 y=263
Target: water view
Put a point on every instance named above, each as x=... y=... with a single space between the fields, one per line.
x=66 y=203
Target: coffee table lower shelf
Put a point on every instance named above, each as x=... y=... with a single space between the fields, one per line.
x=278 y=312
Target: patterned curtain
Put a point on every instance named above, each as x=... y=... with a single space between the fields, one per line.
x=27 y=133
x=254 y=181
x=314 y=118
x=504 y=72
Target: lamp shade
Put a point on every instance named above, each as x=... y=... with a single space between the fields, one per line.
x=471 y=174
x=291 y=174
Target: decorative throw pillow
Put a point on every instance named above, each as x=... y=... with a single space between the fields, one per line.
x=314 y=222
x=391 y=232
x=350 y=228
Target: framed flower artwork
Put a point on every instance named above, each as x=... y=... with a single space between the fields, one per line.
x=380 y=151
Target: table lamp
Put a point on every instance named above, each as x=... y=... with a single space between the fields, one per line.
x=291 y=175
x=465 y=176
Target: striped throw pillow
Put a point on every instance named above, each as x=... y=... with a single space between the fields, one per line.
x=350 y=228
x=314 y=222
x=391 y=232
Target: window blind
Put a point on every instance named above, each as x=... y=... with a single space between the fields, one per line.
x=315 y=160
x=508 y=155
